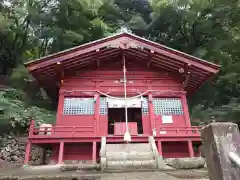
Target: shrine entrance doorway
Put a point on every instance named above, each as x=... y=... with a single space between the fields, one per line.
x=117 y=117
x=117 y=123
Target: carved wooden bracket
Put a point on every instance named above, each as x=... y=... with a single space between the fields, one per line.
x=77 y=93
x=125 y=44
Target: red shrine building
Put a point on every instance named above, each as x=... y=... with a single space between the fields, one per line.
x=88 y=82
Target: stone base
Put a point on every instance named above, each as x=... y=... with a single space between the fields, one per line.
x=161 y=164
x=128 y=156
x=85 y=167
x=132 y=164
x=12 y=152
x=186 y=163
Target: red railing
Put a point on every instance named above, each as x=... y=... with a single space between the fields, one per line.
x=178 y=131
x=81 y=131
x=60 y=131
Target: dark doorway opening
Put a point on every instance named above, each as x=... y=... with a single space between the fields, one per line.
x=118 y=115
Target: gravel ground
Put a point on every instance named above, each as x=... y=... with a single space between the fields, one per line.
x=53 y=173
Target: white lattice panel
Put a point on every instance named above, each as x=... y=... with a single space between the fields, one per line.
x=103 y=106
x=78 y=106
x=145 y=106
x=167 y=106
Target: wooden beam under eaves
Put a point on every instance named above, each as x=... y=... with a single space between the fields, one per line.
x=185 y=83
x=149 y=58
x=60 y=73
x=98 y=57
x=186 y=74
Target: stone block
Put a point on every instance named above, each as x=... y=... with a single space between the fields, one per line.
x=161 y=164
x=218 y=140
x=186 y=163
x=129 y=156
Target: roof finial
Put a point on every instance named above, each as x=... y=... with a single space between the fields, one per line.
x=124 y=29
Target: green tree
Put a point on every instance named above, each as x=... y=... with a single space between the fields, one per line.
x=207 y=29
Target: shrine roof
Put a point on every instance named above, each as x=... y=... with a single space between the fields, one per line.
x=49 y=69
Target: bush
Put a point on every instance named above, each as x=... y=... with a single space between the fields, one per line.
x=16 y=114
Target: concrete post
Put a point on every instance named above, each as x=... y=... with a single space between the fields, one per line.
x=219 y=139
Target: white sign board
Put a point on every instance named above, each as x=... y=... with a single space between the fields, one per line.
x=45 y=128
x=167 y=120
x=163 y=132
x=120 y=103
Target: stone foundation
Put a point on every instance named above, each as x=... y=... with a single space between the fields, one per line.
x=12 y=152
x=186 y=163
x=80 y=166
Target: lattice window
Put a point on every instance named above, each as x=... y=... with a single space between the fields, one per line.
x=145 y=106
x=78 y=106
x=103 y=106
x=167 y=106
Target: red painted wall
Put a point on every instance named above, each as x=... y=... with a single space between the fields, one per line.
x=103 y=123
x=107 y=79
x=178 y=120
x=175 y=149
x=146 y=124
x=84 y=125
x=74 y=151
x=80 y=151
x=120 y=128
x=86 y=120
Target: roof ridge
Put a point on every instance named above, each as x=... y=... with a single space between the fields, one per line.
x=73 y=48
x=124 y=31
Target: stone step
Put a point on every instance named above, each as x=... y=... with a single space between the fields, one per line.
x=129 y=156
x=117 y=156
x=129 y=170
x=74 y=167
x=136 y=147
x=132 y=164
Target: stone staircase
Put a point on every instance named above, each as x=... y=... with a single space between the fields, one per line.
x=129 y=156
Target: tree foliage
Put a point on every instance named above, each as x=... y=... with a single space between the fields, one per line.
x=208 y=29
x=15 y=113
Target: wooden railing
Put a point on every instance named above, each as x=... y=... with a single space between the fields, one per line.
x=60 y=131
x=178 y=131
x=81 y=131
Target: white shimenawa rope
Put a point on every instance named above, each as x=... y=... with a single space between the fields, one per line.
x=119 y=98
x=129 y=98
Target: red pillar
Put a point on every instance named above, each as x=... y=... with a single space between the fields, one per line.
x=185 y=110
x=190 y=148
x=60 y=107
x=27 y=152
x=94 y=152
x=31 y=128
x=151 y=111
x=97 y=112
x=160 y=148
x=61 y=151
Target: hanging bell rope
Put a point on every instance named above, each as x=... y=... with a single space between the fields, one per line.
x=127 y=136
